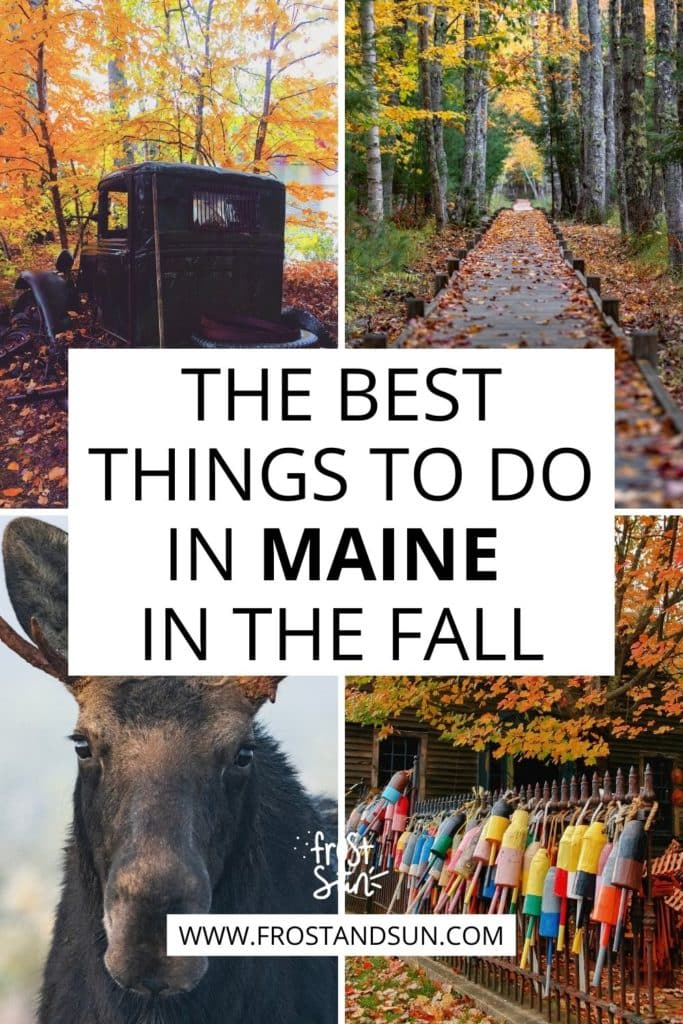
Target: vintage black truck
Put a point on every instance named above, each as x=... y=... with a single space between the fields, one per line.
x=185 y=256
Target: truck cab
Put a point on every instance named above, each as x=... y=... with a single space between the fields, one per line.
x=213 y=240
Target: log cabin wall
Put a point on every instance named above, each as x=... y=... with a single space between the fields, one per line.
x=444 y=769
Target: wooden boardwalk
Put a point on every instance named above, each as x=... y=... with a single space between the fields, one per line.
x=515 y=289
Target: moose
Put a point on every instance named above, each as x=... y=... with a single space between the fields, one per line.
x=182 y=804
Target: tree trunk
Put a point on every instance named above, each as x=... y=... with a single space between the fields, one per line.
x=117 y=83
x=480 y=189
x=424 y=13
x=584 y=89
x=543 y=107
x=373 y=155
x=466 y=197
x=202 y=80
x=566 y=130
x=482 y=86
x=666 y=124
x=262 y=129
x=616 y=62
x=436 y=76
x=393 y=100
x=679 y=62
x=633 y=112
x=591 y=207
x=610 y=130
x=52 y=173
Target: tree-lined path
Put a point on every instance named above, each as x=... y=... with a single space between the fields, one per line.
x=516 y=290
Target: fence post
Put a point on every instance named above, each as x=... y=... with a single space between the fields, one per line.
x=440 y=282
x=414 y=308
x=646 y=346
x=610 y=307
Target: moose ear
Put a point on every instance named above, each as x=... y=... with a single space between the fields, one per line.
x=35 y=557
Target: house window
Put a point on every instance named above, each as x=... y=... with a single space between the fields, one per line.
x=395 y=754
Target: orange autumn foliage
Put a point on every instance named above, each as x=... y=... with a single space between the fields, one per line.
x=87 y=87
x=563 y=719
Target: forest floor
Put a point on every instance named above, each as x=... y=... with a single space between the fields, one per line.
x=313 y=286
x=650 y=298
x=515 y=290
x=33 y=434
x=382 y=273
x=390 y=990
x=383 y=990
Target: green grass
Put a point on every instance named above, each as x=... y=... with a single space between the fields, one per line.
x=375 y=976
x=651 y=250
x=498 y=202
x=379 y=256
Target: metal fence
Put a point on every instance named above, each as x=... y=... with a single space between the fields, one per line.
x=630 y=979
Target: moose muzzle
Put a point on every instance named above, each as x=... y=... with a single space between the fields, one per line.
x=140 y=891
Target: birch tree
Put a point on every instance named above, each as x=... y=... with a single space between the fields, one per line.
x=566 y=141
x=425 y=15
x=614 y=17
x=466 y=197
x=373 y=154
x=633 y=115
x=482 y=118
x=666 y=121
x=591 y=207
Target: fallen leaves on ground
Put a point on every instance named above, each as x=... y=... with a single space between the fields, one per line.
x=390 y=990
x=650 y=300
x=386 y=306
x=313 y=286
x=513 y=290
x=33 y=434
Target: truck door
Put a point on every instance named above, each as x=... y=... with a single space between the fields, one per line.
x=114 y=259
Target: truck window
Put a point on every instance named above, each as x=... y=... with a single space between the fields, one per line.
x=234 y=211
x=116 y=213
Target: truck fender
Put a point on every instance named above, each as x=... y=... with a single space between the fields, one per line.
x=52 y=295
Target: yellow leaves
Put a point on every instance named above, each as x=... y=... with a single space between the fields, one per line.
x=95 y=122
x=524 y=154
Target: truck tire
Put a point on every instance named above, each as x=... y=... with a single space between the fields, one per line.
x=305 y=320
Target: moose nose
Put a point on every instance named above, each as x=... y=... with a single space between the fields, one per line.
x=155 y=986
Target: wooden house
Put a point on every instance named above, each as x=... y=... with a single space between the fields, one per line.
x=445 y=769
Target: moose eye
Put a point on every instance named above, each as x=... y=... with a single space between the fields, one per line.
x=244 y=757
x=82 y=747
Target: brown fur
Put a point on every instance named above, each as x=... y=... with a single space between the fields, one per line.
x=168 y=818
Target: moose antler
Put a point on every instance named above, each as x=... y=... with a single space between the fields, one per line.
x=257 y=689
x=30 y=653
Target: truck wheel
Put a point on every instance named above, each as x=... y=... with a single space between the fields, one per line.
x=26 y=313
x=306 y=321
